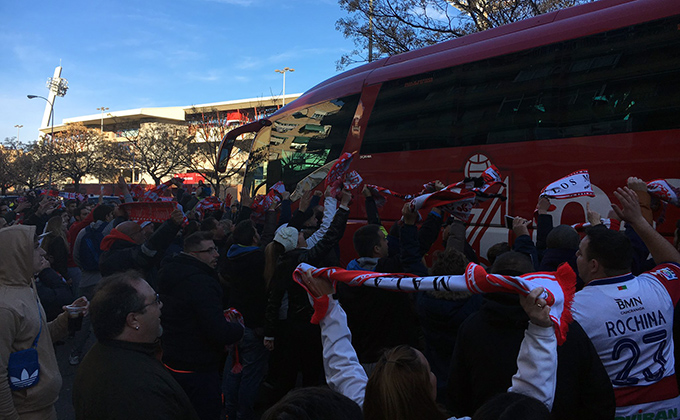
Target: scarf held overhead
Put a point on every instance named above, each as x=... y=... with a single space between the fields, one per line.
x=456 y=199
x=338 y=176
x=559 y=287
x=576 y=184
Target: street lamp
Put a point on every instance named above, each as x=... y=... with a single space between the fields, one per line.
x=285 y=69
x=51 y=132
x=102 y=109
x=18 y=127
x=57 y=87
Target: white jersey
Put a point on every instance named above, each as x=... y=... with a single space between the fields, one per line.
x=630 y=322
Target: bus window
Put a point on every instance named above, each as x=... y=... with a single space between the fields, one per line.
x=298 y=143
x=624 y=80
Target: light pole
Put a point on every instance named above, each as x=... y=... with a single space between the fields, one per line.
x=102 y=109
x=18 y=128
x=51 y=131
x=57 y=87
x=285 y=69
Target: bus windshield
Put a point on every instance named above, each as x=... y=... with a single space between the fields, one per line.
x=297 y=143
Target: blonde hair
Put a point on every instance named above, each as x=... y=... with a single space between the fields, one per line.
x=54 y=229
x=272 y=252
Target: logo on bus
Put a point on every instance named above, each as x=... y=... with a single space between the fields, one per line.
x=476 y=165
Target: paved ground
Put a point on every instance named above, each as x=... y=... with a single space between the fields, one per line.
x=64 y=406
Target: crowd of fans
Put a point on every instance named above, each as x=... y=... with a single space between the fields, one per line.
x=200 y=317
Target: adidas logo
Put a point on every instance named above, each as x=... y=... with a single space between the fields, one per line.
x=26 y=380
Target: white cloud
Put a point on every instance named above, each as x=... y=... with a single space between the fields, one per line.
x=206 y=76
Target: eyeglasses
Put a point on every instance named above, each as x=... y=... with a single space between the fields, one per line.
x=157 y=301
x=210 y=250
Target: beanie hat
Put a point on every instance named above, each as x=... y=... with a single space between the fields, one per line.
x=288 y=237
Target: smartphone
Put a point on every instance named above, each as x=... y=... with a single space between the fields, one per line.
x=508 y=221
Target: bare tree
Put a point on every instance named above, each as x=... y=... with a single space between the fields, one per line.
x=397 y=26
x=208 y=129
x=8 y=155
x=31 y=165
x=160 y=149
x=79 y=151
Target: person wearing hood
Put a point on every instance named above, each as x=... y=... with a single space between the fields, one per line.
x=126 y=247
x=23 y=319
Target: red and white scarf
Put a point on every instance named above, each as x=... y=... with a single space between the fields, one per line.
x=154 y=193
x=664 y=191
x=233 y=315
x=456 y=199
x=559 y=287
x=262 y=202
x=210 y=203
x=338 y=176
x=612 y=224
x=72 y=196
x=150 y=211
x=576 y=184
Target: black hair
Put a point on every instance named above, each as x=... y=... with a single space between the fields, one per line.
x=562 y=237
x=314 y=403
x=192 y=227
x=512 y=406
x=449 y=262
x=192 y=241
x=611 y=248
x=114 y=299
x=101 y=211
x=244 y=232
x=366 y=238
x=512 y=263
x=496 y=250
x=208 y=224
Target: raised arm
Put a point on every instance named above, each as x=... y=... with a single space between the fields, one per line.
x=372 y=215
x=344 y=373
x=537 y=360
x=630 y=212
x=330 y=206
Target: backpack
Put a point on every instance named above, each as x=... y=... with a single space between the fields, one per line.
x=90 y=249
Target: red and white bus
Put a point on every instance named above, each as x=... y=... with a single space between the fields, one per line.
x=593 y=87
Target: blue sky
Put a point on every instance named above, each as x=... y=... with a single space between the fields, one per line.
x=130 y=54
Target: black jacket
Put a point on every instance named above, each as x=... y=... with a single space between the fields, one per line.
x=380 y=319
x=54 y=292
x=485 y=359
x=242 y=269
x=299 y=309
x=243 y=272
x=194 y=328
x=121 y=255
x=123 y=380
